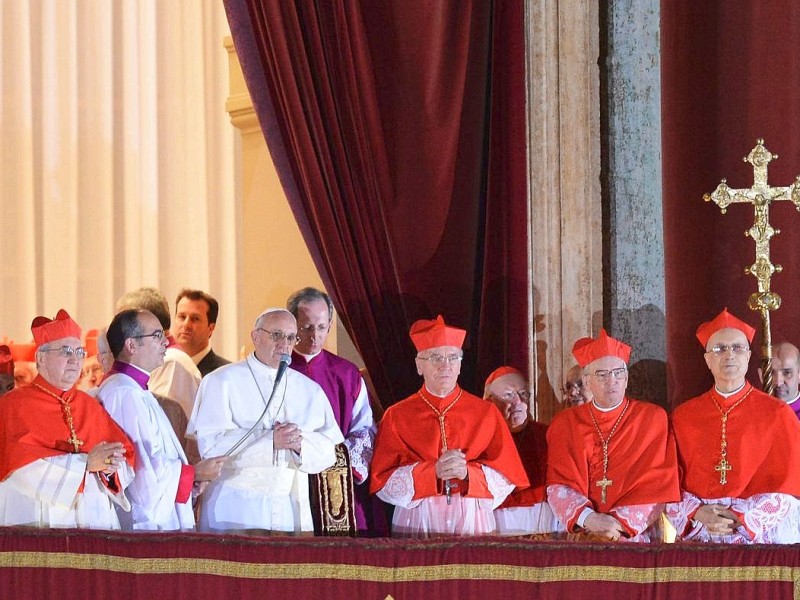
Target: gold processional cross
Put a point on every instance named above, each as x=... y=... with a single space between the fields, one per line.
x=760 y=195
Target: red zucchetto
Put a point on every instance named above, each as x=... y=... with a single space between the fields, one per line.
x=500 y=372
x=47 y=330
x=588 y=349
x=432 y=333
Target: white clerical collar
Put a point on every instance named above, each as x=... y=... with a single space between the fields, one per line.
x=601 y=409
x=309 y=357
x=256 y=362
x=729 y=394
x=438 y=395
x=196 y=358
x=795 y=400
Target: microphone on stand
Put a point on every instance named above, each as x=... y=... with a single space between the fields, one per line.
x=286 y=360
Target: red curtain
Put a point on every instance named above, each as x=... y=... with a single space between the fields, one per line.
x=383 y=119
x=730 y=75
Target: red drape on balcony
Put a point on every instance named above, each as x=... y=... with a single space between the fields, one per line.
x=388 y=121
x=730 y=75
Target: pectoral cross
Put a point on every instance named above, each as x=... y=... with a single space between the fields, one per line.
x=76 y=443
x=723 y=467
x=603 y=483
x=760 y=195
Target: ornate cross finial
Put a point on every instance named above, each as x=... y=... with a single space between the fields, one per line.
x=760 y=195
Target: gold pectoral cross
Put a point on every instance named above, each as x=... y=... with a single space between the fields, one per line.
x=76 y=443
x=723 y=467
x=603 y=483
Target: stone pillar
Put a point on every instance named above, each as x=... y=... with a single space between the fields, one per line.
x=635 y=296
x=565 y=253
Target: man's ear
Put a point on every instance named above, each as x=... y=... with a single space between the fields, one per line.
x=760 y=376
x=211 y=327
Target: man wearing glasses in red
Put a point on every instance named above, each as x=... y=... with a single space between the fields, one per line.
x=738 y=451
x=611 y=465
x=63 y=460
x=443 y=457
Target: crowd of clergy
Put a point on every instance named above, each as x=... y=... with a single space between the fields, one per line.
x=134 y=428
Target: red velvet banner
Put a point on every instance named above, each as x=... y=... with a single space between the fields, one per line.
x=69 y=564
x=730 y=75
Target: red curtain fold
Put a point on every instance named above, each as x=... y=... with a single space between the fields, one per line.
x=730 y=75
x=377 y=115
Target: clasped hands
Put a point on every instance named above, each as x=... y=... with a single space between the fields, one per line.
x=452 y=464
x=287 y=436
x=105 y=457
x=718 y=519
x=604 y=526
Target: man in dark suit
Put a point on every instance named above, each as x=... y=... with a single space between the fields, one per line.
x=195 y=319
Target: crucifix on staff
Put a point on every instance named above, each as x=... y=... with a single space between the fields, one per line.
x=760 y=195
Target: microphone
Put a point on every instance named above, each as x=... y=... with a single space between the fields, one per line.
x=286 y=360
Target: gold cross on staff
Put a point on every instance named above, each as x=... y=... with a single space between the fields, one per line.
x=723 y=467
x=760 y=195
x=603 y=483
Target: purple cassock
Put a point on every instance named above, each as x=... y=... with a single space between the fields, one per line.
x=795 y=406
x=342 y=383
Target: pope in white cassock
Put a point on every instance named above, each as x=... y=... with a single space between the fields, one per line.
x=264 y=485
x=165 y=484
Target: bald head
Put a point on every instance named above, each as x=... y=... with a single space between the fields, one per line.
x=785 y=365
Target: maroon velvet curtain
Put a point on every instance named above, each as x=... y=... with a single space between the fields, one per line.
x=730 y=75
x=377 y=115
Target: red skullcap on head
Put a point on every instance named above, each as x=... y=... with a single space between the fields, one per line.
x=90 y=343
x=47 y=330
x=588 y=349
x=6 y=361
x=432 y=333
x=23 y=352
x=499 y=372
x=723 y=320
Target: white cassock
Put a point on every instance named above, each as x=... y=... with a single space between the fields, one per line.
x=177 y=379
x=160 y=459
x=44 y=493
x=261 y=487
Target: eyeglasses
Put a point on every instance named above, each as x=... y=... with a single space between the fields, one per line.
x=279 y=336
x=440 y=359
x=524 y=395
x=572 y=386
x=620 y=373
x=67 y=351
x=157 y=335
x=719 y=349
x=321 y=328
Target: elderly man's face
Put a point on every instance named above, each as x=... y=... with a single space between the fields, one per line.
x=607 y=380
x=92 y=373
x=313 y=325
x=440 y=368
x=574 y=392
x=58 y=367
x=274 y=337
x=727 y=356
x=785 y=375
x=511 y=396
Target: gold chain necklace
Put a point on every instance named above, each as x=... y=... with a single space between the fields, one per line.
x=441 y=414
x=65 y=406
x=605 y=481
x=448 y=485
x=724 y=466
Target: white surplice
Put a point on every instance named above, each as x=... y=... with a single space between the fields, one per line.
x=160 y=458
